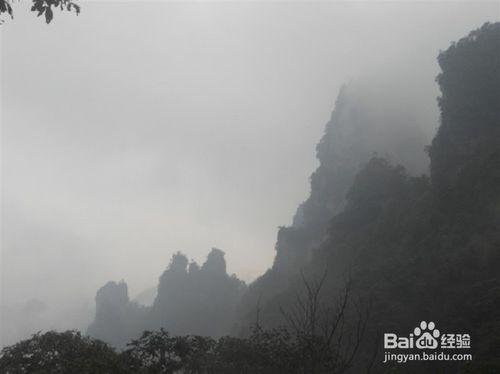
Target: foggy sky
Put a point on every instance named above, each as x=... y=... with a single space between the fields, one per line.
x=139 y=129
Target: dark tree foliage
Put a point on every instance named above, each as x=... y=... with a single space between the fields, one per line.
x=158 y=352
x=274 y=351
x=42 y=7
x=58 y=353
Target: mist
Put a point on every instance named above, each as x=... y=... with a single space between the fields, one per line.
x=140 y=129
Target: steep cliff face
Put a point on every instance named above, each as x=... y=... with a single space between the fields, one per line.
x=364 y=124
x=190 y=300
x=361 y=125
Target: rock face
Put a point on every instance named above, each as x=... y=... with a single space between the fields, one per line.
x=190 y=300
x=361 y=125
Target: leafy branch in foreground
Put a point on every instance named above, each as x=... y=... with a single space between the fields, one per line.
x=42 y=7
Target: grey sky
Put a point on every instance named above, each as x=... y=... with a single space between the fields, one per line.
x=142 y=128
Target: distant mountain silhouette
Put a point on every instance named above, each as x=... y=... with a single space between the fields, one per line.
x=189 y=300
